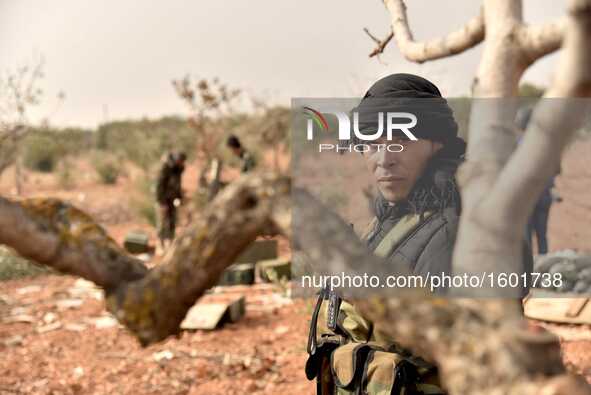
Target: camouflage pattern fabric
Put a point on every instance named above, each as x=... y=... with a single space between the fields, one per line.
x=168 y=186
x=166 y=221
x=168 y=189
x=248 y=162
x=361 y=360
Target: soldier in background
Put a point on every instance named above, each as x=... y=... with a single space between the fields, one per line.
x=248 y=162
x=538 y=221
x=169 y=196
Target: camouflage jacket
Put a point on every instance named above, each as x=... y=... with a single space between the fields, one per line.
x=168 y=187
x=248 y=162
x=359 y=358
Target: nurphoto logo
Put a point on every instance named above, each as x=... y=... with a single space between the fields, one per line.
x=387 y=122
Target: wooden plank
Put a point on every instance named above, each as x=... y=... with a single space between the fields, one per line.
x=213 y=311
x=559 y=309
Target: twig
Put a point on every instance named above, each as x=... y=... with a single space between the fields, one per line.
x=381 y=44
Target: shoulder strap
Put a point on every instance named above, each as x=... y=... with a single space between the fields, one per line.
x=399 y=232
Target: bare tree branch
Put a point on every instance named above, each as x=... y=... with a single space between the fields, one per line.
x=152 y=303
x=456 y=42
x=539 y=41
x=57 y=234
x=554 y=120
x=381 y=44
x=374 y=38
x=488 y=241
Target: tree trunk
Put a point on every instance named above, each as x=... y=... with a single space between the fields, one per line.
x=18 y=177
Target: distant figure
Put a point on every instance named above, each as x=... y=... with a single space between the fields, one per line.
x=248 y=162
x=538 y=221
x=169 y=196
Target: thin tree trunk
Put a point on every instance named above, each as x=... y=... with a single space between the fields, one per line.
x=18 y=177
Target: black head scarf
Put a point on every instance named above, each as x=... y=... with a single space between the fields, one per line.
x=414 y=94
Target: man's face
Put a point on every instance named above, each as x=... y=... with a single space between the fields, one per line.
x=396 y=173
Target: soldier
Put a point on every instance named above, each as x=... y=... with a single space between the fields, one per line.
x=416 y=220
x=246 y=158
x=538 y=221
x=169 y=196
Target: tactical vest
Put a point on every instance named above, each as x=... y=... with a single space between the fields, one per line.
x=347 y=357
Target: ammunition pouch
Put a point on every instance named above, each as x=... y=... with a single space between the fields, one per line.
x=348 y=357
x=365 y=368
x=349 y=360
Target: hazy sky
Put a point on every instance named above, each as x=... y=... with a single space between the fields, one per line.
x=123 y=54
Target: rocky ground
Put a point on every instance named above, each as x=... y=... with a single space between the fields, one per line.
x=56 y=338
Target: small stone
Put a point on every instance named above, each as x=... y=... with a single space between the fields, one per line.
x=50 y=317
x=19 y=311
x=580 y=287
x=84 y=284
x=84 y=288
x=28 y=290
x=103 y=322
x=282 y=329
x=16 y=340
x=585 y=275
x=40 y=383
x=75 y=327
x=568 y=273
x=5 y=300
x=49 y=327
x=78 y=372
x=164 y=355
x=66 y=304
x=21 y=318
x=583 y=263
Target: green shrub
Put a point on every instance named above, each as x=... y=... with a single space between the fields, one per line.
x=41 y=152
x=143 y=142
x=107 y=169
x=147 y=210
x=144 y=203
x=65 y=176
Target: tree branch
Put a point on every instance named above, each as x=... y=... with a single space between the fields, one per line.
x=332 y=246
x=152 y=303
x=57 y=234
x=539 y=41
x=380 y=44
x=456 y=42
x=554 y=120
x=154 y=306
